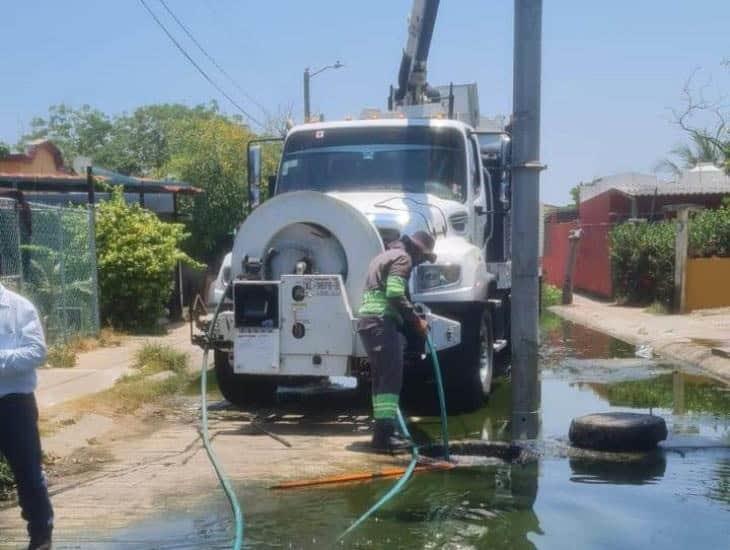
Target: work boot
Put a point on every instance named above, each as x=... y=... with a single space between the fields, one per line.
x=387 y=440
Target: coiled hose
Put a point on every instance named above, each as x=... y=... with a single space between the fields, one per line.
x=222 y=478
x=395 y=489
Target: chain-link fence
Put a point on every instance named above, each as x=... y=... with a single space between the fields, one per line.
x=48 y=254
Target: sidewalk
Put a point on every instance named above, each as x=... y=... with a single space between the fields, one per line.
x=98 y=370
x=701 y=338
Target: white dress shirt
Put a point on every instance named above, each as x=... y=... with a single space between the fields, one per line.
x=22 y=345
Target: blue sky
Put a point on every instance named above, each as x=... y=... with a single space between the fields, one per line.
x=611 y=70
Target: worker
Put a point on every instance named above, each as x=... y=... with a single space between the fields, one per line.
x=386 y=312
x=22 y=350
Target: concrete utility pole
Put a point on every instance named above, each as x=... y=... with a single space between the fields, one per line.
x=525 y=210
x=681 y=245
x=573 y=242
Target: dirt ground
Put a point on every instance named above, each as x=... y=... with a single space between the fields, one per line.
x=110 y=471
x=701 y=338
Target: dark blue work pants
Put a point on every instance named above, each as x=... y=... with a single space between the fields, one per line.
x=20 y=444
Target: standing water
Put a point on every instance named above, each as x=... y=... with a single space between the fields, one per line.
x=679 y=497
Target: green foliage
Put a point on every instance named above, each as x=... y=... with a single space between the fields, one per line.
x=7 y=482
x=642 y=262
x=84 y=131
x=134 y=144
x=194 y=144
x=4 y=149
x=58 y=271
x=700 y=395
x=702 y=148
x=642 y=255
x=136 y=256
x=212 y=154
x=709 y=233
x=551 y=295
x=575 y=195
x=139 y=387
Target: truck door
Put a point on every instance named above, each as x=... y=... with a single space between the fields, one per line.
x=480 y=202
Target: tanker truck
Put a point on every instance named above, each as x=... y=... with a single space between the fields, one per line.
x=343 y=191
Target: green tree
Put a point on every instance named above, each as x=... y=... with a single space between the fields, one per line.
x=575 y=194
x=211 y=154
x=4 y=149
x=139 y=143
x=701 y=149
x=136 y=255
x=84 y=131
x=132 y=144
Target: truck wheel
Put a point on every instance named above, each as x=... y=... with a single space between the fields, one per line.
x=242 y=389
x=469 y=368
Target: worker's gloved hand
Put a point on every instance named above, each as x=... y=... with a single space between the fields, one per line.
x=421 y=327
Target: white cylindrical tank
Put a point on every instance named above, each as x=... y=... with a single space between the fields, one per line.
x=308 y=228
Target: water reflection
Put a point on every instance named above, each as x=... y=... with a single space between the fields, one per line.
x=678 y=497
x=648 y=469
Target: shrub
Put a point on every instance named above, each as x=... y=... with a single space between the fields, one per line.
x=136 y=253
x=709 y=233
x=642 y=255
x=642 y=262
x=61 y=356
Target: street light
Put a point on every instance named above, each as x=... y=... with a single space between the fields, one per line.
x=308 y=75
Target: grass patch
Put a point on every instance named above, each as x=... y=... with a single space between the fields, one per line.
x=658 y=308
x=142 y=387
x=63 y=355
x=154 y=358
x=551 y=295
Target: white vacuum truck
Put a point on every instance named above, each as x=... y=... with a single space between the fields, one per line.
x=299 y=261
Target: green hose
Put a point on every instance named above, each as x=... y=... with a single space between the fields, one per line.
x=224 y=481
x=442 y=396
x=395 y=489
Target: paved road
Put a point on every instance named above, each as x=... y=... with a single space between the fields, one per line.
x=98 y=370
x=690 y=338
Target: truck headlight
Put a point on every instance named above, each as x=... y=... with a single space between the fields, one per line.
x=429 y=277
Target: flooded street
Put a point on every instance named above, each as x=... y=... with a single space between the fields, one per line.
x=678 y=497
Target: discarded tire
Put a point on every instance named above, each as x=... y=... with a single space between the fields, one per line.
x=617 y=431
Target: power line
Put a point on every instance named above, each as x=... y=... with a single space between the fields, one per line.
x=212 y=59
x=198 y=67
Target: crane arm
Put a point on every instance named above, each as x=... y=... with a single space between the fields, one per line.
x=412 y=87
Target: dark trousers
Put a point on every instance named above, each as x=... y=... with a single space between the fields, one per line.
x=384 y=345
x=20 y=444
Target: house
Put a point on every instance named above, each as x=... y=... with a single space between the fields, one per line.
x=40 y=157
x=614 y=199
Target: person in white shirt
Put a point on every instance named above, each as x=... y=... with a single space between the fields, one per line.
x=22 y=351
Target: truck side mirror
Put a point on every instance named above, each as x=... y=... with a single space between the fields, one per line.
x=254 y=176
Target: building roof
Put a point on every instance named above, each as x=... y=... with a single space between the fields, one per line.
x=704 y=179
x=32 y=149
x=62 y=183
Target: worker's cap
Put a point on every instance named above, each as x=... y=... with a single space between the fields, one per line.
x=424 y=242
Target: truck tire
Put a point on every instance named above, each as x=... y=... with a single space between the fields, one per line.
x=468 y=369
x=242 y=390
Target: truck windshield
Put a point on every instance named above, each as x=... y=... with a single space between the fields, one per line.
x=412 y=159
